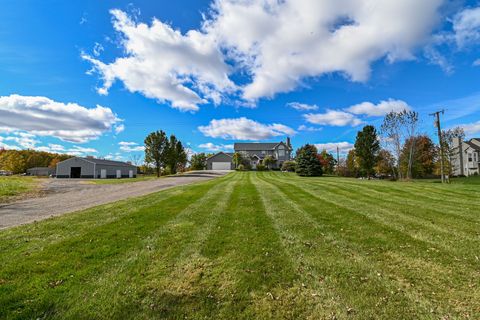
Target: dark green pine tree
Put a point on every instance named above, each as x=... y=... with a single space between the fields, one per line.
x=367 y=148
x=308 y=164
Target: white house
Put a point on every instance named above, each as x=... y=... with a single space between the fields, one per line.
x=466 y=157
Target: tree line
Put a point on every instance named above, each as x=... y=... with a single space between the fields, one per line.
x=398 y=150
x=18 y=161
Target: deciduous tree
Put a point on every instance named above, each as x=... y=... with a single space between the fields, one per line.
x=156 y=145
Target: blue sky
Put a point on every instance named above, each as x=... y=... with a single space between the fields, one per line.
x=95 y=77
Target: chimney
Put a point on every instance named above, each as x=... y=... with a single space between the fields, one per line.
x=288 y=143
x=89 y=157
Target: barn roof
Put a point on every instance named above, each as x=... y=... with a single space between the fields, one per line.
x=107 y=162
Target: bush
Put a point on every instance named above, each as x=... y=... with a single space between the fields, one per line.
x=241 y=167
x=289 y=166
x=261 y=167
x=308 y=164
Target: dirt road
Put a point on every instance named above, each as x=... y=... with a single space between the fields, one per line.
x=64 y=195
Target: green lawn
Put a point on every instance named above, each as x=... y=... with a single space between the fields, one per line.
x=13 y=186
x=265 y=245
x=125 y=180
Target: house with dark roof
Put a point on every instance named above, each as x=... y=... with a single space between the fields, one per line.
x=253 y=153
x=466 y=157
x=92 y=168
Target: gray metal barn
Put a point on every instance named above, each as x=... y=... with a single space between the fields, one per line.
x=40 y=171
x=91 y=168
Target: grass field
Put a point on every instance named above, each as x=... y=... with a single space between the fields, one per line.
x=249 y=245
x=13 y=186
x=125 y=180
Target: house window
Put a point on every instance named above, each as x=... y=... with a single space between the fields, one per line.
x=475 y=157
x=263 y=151
x=470 y=157
x=281 y=153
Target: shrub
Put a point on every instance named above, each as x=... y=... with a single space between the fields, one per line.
x=241 y=167
x=289 y=166
x=261 y=167
x=308 y=164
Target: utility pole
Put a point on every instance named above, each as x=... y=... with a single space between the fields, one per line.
x=338 y=161
x=439 y=129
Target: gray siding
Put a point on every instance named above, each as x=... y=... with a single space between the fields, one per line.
x=219 y=157
x=63 y=168
x=92 y=170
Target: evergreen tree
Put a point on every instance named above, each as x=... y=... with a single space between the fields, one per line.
x=367 y=147
x=308 y=164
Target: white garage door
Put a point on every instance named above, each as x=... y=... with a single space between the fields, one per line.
x=221 y=166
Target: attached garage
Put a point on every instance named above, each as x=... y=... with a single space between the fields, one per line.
x=220 y=161
x=91 y=168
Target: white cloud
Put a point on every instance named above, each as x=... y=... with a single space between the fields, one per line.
x=97 y=49
x=244 y=129
x=466 y=27
x=80 y=151
x=120 y=128
x=282 y=42
x=130 y=146
x=277 y=44
x=471 y=129
x=310 y=129
x=343 y=147
x=53 y=148
x=380 y=109
x=44 y=117
x=301 y=106
x=24 y=142
x=333 y=118
x=166 y=65
x=216 y=147
x=476 y=63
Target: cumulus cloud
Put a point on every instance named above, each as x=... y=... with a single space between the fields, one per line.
x=130 y=146
x=309 y=129
x=216 y=147
x=44 y=117
x=163 y=64
x=380 y=109
x=244 y=129
x=466 y=27
x=301 y=106
x=471 y=129
x=53 y=148
x=277 y=44
x=333 y=118
x=343 y=147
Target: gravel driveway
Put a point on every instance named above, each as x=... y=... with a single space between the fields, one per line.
x=65 y=195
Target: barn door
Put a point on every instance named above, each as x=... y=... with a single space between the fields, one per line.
x=119 y=174
x=103 y=174
x=130 y=174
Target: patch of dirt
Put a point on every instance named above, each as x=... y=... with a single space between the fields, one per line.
x=59 y=196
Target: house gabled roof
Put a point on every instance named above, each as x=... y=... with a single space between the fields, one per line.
x=256 y=146
x=229 y=154
x=473 y=146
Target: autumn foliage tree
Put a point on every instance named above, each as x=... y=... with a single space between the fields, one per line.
x=421 y=153
x=328 y=162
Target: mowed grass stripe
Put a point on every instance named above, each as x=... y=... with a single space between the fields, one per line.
x=427 y=225
x=137 y=283
x=81 y=258
x=415 y=264
x=245 y=260
x=333 y=271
